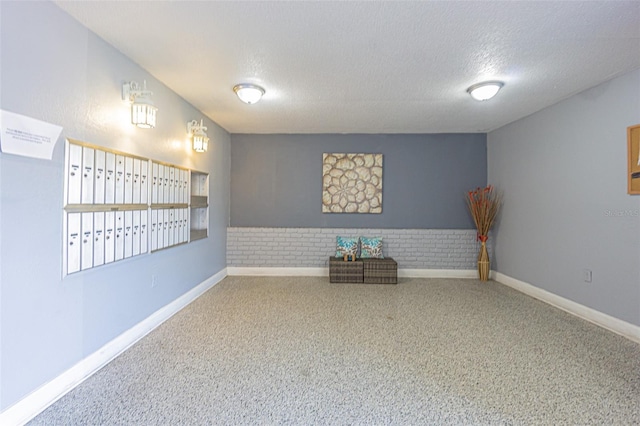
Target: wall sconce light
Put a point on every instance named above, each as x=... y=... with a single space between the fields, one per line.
x=143 y=112
x=248 y=93
x=484 y=91
x=198 y=135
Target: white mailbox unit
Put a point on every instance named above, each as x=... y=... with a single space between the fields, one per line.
x=169 y=205
x=118 y=205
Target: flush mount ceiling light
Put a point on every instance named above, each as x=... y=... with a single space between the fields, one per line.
x=484 y=91
x=143 y=112
x=198 y=135
x=248 y=93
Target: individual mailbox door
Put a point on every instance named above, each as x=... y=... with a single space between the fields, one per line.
x=99 y=185
x=179 y=197
x=169 y=192
x=110 y=178
x=170 y=232
x=154 y=183
x=86 y=256
x=165 y=229
x=74 y=175
x=185 y=186
x=186 y=225
x=87 y=175
x=119 y=179
x=98 y=239
x=128 y=180
x=176 y=187
x=160 y=183
x=136 y=232
x=181 y=226
x=109 y=237
x=172 y=185
x=119 y=236
x=154 y=230
x=177 y=230
x=73 y=242
x=144 y=181
x=161 y=229
x=165 y=185
x=136 y=181
x=128 y=233
x=144 y=237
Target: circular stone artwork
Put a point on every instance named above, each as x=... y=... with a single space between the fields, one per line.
x=351 y=183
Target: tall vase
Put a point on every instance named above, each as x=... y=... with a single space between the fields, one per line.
x=483 y=263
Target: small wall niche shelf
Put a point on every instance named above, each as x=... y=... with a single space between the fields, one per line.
x=199 y=205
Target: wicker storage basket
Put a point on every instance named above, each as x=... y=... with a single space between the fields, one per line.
x=380 y=271
x=345 y=272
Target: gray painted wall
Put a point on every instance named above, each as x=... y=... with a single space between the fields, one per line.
x=566 y=208
x=55 y=70
x=276 y=180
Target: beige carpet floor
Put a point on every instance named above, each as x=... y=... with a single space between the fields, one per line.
x=302 y=351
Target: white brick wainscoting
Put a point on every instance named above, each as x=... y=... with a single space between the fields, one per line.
x=417 y=251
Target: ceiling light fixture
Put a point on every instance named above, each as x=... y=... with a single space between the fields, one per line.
x=248 y=93
x=484 y=91
x=143 y=112
x=198 y=135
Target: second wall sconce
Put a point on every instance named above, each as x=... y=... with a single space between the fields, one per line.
x=198 y=135
x=143 y=112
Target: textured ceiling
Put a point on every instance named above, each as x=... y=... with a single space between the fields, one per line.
x=371 y=67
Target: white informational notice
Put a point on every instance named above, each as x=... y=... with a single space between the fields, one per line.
x=21 y=135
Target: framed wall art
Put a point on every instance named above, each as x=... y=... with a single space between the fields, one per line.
x=351 y=183
x=633 y=171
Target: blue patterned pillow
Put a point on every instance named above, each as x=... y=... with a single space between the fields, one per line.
x=371 y=248
x=346 y=245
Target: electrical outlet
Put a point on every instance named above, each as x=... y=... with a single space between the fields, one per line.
x=154 y=282
x=586 y=275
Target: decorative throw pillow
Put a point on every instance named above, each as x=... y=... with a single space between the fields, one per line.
x=346 y=245
x=371 y=248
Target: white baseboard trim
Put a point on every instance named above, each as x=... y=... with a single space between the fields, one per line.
x=34 y=403
x=623 y=328
x=324 y=272
x=437 y=273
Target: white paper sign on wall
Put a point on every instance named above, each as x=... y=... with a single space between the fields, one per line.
x=26 y=136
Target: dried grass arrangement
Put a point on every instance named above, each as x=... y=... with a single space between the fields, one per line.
x=484 y=204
